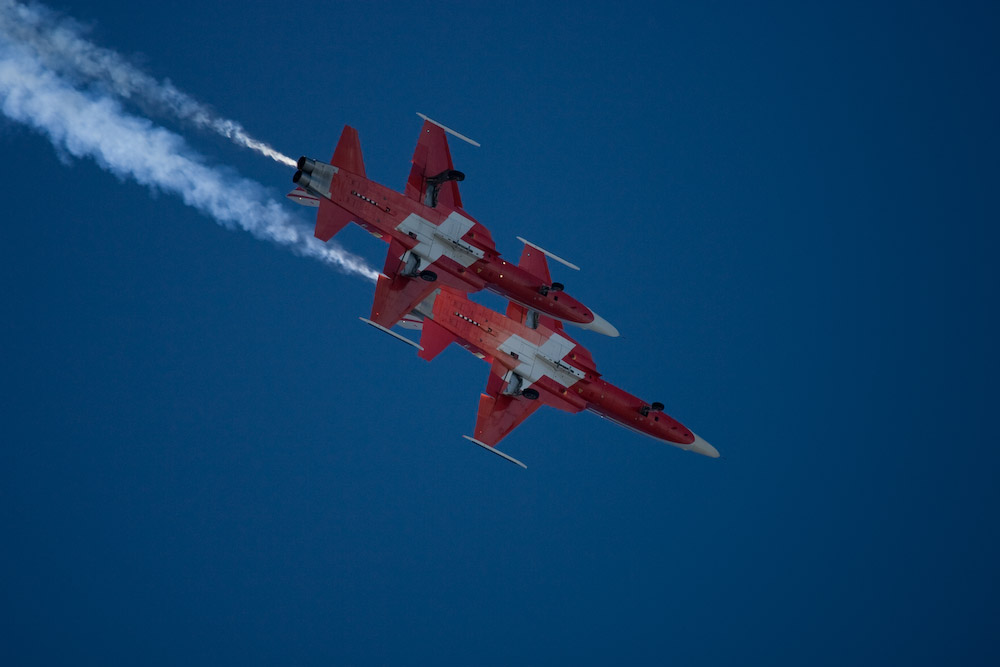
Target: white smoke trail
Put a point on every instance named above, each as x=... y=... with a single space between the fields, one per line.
x=89 y=124
x=59 y=44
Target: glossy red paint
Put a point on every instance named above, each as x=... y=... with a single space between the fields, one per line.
x=559 y=369
x=468 y=263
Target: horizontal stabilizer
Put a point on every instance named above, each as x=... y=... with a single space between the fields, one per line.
x=498 y=413
x=300 y=196
x=495 y=451
x=330 y=219
x=433 y=339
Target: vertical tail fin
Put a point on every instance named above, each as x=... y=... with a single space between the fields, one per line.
x=432 y=158
x=347 y=155
x=331 y=218
x=533 y=261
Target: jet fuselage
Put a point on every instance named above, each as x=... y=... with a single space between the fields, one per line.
x=555 y=369
x=457 y=242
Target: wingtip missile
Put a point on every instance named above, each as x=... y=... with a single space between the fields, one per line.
x=495 y=451
x=449 y=130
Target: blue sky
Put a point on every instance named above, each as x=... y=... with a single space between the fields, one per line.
x=789 y=210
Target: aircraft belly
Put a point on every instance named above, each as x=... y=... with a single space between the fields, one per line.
x=537 y=361
x=444 y=240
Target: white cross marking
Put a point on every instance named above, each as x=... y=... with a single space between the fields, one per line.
x=545 y=361
x=445 y=239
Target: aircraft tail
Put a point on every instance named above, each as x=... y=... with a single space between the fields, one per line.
x=347 y=155
x=433 y=339
x=533 y=261
x=331 y=218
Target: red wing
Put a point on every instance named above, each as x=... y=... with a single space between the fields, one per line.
x=499 y=415
x=430 y=159
x=396 y=295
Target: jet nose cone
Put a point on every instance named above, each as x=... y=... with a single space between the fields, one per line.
x=702 y=447
x=601 y=326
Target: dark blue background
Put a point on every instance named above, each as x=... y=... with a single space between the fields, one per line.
x=789 y=211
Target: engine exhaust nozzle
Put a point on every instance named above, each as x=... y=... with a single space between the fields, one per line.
x=302 y=180
x=305 y=164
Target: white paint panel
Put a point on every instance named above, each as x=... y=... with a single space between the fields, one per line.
x=545 y=361
x=444 y=240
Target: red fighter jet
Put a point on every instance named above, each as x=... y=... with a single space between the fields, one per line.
x=432 y=240
x=534 y=362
